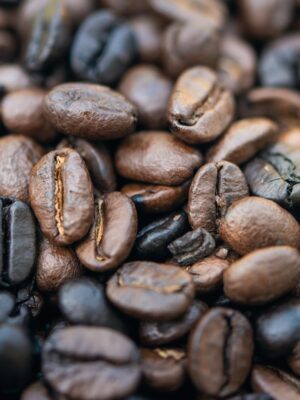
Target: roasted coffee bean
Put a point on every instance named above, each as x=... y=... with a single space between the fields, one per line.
x=98 y=162
x=36 y=391
x=163 y=369
x=61 y=196
x=13 y=77
x=275 y=382
x=160 y=333
x=200 y=109
x=294 y=360
x=18 y=241
x=156 y=157
x=263 y=275
x=275 y=175
x=112 y=235
x=156 y=198
x=278 y=329
x=82 y=301
x=50 y=36
x=90 y=111
x=188 y=44
x=243 y=140
x=192 y=247
x=16 y=358
x=18 y=154
x=22 y=112
x=279 y=62
x=103 y=48
x=220 y=352
x=13 y=313
x=55 y=266
x=214 y=188
x=82 y=362
x=149 y=90
x=252 y=223
x=152 y=241
x=151 y=291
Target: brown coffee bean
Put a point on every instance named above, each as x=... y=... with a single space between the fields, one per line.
x=112 y=236
x=18 y=154
x=214 y=188
x=151 y=291
x=156 y=157
x=22 y=112
x=61 y=196
x=243 y=140
x=163 y=369
x=149 y=90
x=82 y=362
x=55 y=266
x=13 y=77
x=156 y=198
x=188 y=44
x=89 y=111
x=253 y=222
x=263 y=275
x=220 y=352
x=275 y=382
x=200 y=109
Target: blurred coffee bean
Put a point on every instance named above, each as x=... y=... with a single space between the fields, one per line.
x=13 y=77
x=290 y=137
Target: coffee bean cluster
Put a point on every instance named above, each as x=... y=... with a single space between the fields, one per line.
x=149 y=199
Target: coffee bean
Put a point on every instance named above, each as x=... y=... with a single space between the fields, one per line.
x=200 y=109
x=151 y=291
x=275 y=382
x=50 y=37
x=160 y=333
x=252 y=223
x=13 y=77
x=192 y=247
x=263 y=275
x=290 y=137
x=61 y=196
x=220 y=352
x=243 y=140
x=156 y=157
x=36 y=391
x=152 y=241
x=89 y=111
x=149 y=90
x=18 y=154
x=163 y=369
x=80 y=357
x=112 y=235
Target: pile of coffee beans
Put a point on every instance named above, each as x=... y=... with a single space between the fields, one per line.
x=149 y=199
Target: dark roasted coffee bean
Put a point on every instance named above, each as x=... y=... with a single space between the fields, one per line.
x=252 y=223
x=18 y=154
x=160 y=333
x=152 y=241
x=275 y=382
x=149 y=90
x=50 y=36
x=156 y=198
x=103 y=48
x=151 y=291
x=90 y=111
x=278 y=329
x=200 y=109
x=17 y=241
x=262 y=275
x=80 y=358
x=55 y=266
x=36 y=391
x=220 y=352
x=98 y=161
x=214 y=188
x=16 y=358
x=61 y=196
x=243 y=140
x=192 y=246
x=112 y=235
x=156 y=157
x=163 y=369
